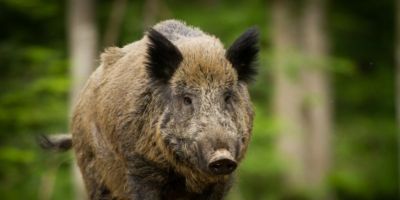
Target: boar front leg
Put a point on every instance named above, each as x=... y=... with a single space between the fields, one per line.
x=146 y=178
x=144 y=190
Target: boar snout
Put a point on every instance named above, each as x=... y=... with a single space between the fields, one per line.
x=222 y=162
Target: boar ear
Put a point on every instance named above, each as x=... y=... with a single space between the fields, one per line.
x=163 y=57
x=243 y=54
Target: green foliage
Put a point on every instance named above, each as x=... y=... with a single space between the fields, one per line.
x=34 y=87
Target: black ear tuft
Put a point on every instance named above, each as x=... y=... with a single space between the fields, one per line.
x=243 y=54
x=163 y=57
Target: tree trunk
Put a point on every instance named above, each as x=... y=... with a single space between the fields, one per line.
x=317 y=85
x=47 y=182
x=150 y=13
x=288 y=93
x=83 y=52
x=114 y=23
x=302 y=94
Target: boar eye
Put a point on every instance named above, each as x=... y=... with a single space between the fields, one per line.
x=187 y=100
x=228 y=97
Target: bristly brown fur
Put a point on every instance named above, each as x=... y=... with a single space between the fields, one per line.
x=111 y=55
x=135 y=134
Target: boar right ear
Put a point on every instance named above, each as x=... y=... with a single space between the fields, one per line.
x=163 y=57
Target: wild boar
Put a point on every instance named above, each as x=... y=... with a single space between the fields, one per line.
x=166 y=117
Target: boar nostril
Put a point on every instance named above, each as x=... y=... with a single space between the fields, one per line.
x=222 y=162
x=222 y=166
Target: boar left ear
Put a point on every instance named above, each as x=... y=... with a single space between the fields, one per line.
x=163 y=57
x=243 y=54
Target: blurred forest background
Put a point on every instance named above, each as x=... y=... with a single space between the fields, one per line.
x=325 y=96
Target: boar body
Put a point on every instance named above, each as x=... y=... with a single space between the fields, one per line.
x=166 y=117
